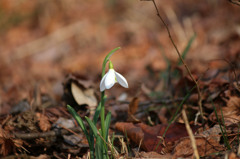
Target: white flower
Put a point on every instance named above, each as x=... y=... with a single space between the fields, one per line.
x=110 y=78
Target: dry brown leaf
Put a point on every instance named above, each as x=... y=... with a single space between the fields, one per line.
x=133 y=106
x=162 y=115
x=153 y=154
x=43 y=123
x=7 y=143
x=7 y=146
x=212 y=133
x=83 y=96
x=149 y=137
x=204 y=146
x=232 y=155
x=231 y=112
x=41 y=157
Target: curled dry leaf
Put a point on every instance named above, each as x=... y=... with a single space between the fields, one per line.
x=149 y=137
x=7 y=143
x=205 y=146
x=82 y=96
x=7 y=146
x=162 y=115
x=43 y=123
x=133 y=106
x=231 y=112
x=79 y=90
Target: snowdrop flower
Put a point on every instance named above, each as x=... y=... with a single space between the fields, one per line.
x=112 y=77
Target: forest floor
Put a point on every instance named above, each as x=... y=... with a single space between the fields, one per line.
x=51 y=54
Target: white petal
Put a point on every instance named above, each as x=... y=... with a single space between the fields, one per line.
x=121 y=80
x=102 y=83
x=110 y=79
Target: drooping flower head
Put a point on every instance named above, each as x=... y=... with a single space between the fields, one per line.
x=112 y=77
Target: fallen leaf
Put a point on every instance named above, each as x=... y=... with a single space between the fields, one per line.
x=7 y=143
x=133 y=106
x=43 y=156
x=232 y=155
x=212 y=133
x=162 y=115
x=153 y=154
x=43 y=123
x=205 y=146
x=7 y=146
x=82 y=96
x=78 y=90
x=150 y=136
x=231 y=112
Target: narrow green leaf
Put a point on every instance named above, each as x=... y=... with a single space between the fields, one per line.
x=107 y=124
x=92 y=126
x=185 y=51
x=112 y=146
x=97 y=112
x=79 y=120
x=223 y=132
x=91 y=144
x=99 y=147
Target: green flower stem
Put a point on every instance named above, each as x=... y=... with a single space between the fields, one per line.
x=102 y=114
x=102 y=111
x=110 y=65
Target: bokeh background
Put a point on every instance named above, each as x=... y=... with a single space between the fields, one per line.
x=42 y=41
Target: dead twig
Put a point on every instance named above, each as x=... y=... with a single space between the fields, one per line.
x=185 y=65
x=73 y=132
x=190 y=133
x=56 y=132
x=237 y=2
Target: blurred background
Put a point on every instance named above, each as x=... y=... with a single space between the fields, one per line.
x=42 y=41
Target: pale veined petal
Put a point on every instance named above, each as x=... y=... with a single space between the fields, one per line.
x=110 y=79
x=102 y=83
x=121 y=80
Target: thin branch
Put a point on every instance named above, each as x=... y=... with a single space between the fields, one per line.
x=188 y=70
x=190 y=133
x=56 y=132
x=236 y=2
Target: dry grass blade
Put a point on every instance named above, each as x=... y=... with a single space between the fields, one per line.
x=190 y=133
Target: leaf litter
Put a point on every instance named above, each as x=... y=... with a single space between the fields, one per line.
x=52 y=56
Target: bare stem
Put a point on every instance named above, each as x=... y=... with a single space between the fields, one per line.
x=187 y=68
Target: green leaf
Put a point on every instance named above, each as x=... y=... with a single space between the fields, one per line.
x=185 y=51
x=99 y=147
x=92 y=126
x=79 y=121
x=97 y=112
x=225 y=139
x=107 y=124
